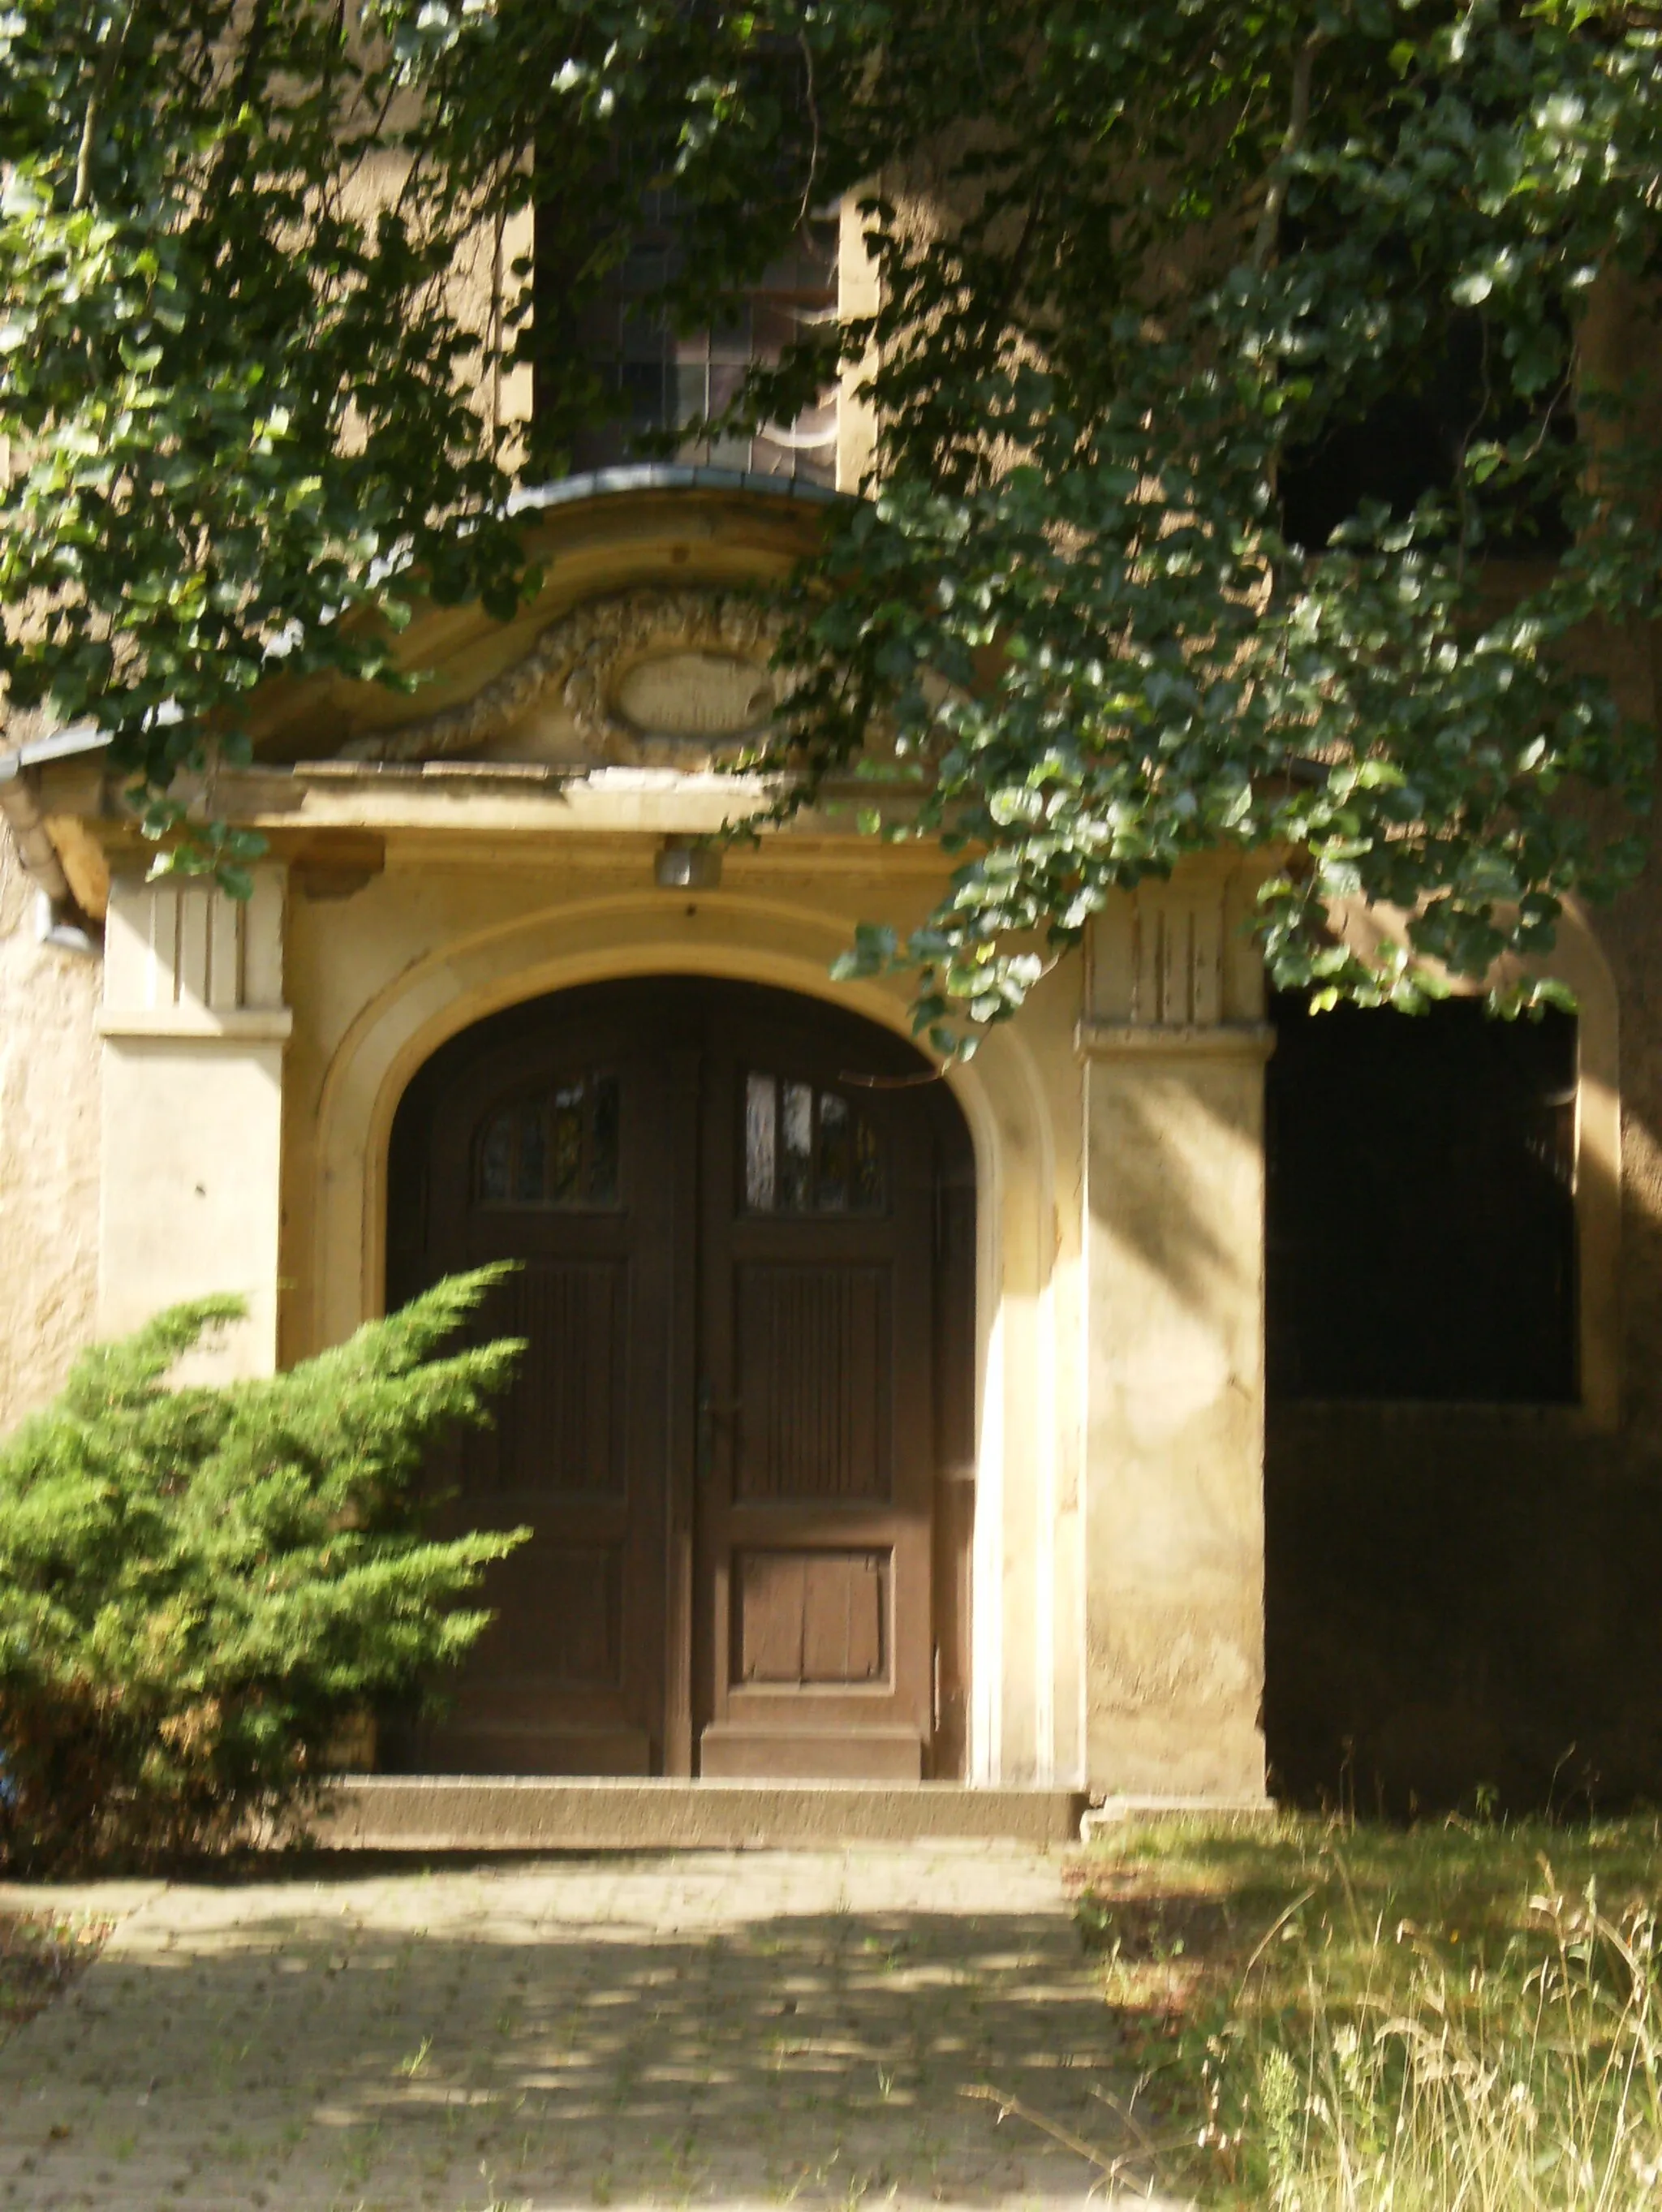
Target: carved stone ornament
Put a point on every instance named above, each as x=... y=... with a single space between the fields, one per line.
x=665 y=679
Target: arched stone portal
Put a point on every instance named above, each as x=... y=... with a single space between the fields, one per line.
x=487 y=948
x=742 y=1224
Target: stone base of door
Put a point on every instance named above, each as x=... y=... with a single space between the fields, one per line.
x=732 y=1752
x=1115 y=1812
x=536 y=1813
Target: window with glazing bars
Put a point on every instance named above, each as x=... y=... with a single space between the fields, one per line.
x=807 y=1150
x=663 y=380
x=551 y=1147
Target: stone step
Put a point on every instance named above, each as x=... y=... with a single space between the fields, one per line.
x=539 y=1812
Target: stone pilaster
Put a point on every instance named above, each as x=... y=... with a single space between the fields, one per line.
x=193 y=1028
x=1174 y=1043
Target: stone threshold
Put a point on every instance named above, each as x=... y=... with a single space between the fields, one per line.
x=539 y=1813
x=1119 y=1811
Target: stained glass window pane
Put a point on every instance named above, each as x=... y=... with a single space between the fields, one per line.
x=557 y=1147
x=796 y=1164
x=533 y=1155
x=564 y=1184
x=868 y=1169
x=496 y=1161
x=761 y=1139
x=834 y=1149
x=809 y=1151
x=603 y=1143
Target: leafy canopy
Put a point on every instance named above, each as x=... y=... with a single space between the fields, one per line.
x=1145 y=270
x=197 y=1586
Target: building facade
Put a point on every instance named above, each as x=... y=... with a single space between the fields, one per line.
x=877 y=1421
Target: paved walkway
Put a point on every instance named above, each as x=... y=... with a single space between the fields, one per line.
x=721 y=2028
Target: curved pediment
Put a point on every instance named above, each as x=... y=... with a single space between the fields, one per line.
x=647 y=644
x=650 y=678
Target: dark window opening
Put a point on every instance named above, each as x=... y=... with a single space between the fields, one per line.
x=1420 y=1207
x=652 y=380
x=1407 y=441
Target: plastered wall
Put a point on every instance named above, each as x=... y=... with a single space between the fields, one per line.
x=194 y=1029
x=49 y=1124
x=1174 y=1047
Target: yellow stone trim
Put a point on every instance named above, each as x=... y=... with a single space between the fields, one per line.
x=1174 y=1040
x=238 y=1025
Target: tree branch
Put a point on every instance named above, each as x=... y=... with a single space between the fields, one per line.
x=234 y=148
x=1275 y=198
x=814 y=121
x=107 y=63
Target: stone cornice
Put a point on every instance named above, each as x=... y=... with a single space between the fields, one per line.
x=198 y=1024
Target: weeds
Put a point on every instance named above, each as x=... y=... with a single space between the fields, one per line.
x=39 y=1957
x=1333 y=2019
x=1534 y=2085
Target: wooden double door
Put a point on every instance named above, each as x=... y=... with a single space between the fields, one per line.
x=742 y=1225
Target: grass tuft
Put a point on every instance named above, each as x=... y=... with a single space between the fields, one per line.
x=41 y=1954
x=1333 y=2019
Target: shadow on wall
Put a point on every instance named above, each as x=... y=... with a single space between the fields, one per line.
x=1461 y=1597
x=1457 y=1600
x=1162 y=1139
x=49 y=1150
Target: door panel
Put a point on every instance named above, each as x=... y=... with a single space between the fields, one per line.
x=564 y=1429
x=543 y=1140
x=818 y=1474
x=811 y=1350
x=727 y=1209
x=561 y=1616
x=811 y=1617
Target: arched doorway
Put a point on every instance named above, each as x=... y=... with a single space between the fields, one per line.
x=744 y=1226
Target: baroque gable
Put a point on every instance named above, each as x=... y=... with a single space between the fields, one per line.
x=674 y=677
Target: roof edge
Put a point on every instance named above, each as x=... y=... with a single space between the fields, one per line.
x=73 y=743
x=668 y=475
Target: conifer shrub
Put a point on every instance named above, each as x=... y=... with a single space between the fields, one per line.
x=197 y=1586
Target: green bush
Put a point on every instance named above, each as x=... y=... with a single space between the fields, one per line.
x=198 y=1586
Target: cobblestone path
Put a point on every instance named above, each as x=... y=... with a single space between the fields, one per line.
x=762 y=2029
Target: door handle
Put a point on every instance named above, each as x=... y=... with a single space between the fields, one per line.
x=710 y=1410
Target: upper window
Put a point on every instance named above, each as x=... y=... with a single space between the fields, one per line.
x=553 y=1147
x=1408 y=442
x=1420 y=1206
x=661 y=380
x=807 y=1151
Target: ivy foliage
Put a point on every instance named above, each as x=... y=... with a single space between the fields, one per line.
x=247 y=398
x=198 y=1586
x=1192 y=254
x=1147 y=272
x=236 y=386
